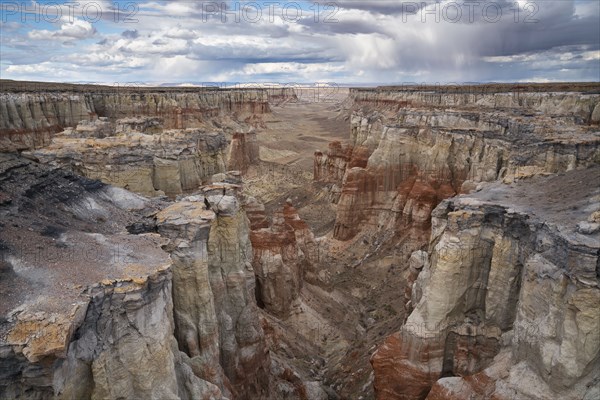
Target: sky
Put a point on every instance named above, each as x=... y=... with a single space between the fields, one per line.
x=340 y=42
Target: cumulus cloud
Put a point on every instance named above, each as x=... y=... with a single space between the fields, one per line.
x=75 y=29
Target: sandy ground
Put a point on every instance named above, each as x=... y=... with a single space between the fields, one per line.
x=293 y=133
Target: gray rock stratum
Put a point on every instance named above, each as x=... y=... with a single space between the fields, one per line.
x=508 y=303
x=90 y=310
x=145 y=160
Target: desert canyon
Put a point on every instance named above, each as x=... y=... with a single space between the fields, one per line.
x=314 y=243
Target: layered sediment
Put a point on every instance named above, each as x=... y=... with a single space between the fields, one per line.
x=507 y=305
x=90 y=311
x=216 y=319
x=423 y=146
x=138 y=155
x=284 y=252
x=84 y=304
x=464 y=297
x=243 y=152
x=31 y=113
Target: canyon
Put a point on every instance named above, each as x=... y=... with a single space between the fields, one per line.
x=377 y=243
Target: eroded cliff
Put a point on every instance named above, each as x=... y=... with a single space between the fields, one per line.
x=420 y=147
x=138 y=155
x=507 y=303
x=91 y=311
x=409 y=150
x=32 y=112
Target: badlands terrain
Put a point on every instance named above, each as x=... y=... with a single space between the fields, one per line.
x=412 y=242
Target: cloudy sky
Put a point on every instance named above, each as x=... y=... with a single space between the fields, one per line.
x=344 y=41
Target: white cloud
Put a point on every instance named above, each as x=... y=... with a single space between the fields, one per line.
x=290 y=68
x=76 y=29
x=370 y=42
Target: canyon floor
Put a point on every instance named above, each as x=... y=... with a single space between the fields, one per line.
x=292 y=134
x=346 y=318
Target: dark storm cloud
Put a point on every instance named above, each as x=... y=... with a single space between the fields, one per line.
x=233 y=51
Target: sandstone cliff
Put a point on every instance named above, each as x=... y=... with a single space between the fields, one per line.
x=411 y=149
x=216 y=319
x=138 y=155
x=507 y=304
x=84 y=305
x=90 y=311
x=31 y=114
x=243 y=152
x=284 y=253
x=420 y=147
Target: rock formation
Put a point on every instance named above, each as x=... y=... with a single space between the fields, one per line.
x=284 y=252
x=243 y=152
x=89 y=311
x=31 y=114
x=508 y=307
x=150 y=162
x=422 y=147
x=83 y=305
x=216 y=319
x=331 y=167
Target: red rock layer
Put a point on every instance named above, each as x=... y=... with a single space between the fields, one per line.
x=281 y=256
x=366 y=191
x=397 y=375
x=406 y=366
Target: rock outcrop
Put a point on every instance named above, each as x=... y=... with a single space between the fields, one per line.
x=415 y=148
x=243 y=152
x=424 y=146
x=331 y=167
x=32 y=113
x=90 y=311
x=507 y=304
x=83 y=305
x=283 y=254
x=216 y=318
x=278 y=265
x=139 y=156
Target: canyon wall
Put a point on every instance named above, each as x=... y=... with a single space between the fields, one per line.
x=138 y=155
x=32 y=113
x=90 y=311
x=410 y=149
x=508 y=286
x=152 y=141
x=243 y=152
x=507 y=304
